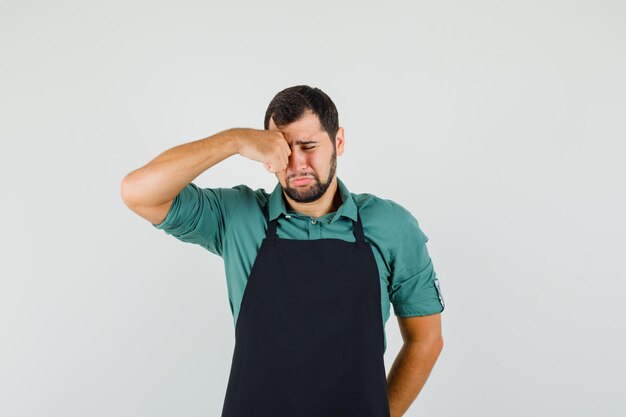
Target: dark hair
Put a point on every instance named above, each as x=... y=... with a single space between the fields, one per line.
x=290 y=104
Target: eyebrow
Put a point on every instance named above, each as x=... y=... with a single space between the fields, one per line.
x=304 y=142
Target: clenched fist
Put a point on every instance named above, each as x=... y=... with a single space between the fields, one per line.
x=266 y=146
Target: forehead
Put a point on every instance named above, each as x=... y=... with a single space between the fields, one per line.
x=307 y=126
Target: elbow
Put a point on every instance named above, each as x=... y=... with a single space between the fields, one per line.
x=435 y=346
x=128 y=189
x=439 y=344
x=434 y=343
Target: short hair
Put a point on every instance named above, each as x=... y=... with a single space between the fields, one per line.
x=290 y=104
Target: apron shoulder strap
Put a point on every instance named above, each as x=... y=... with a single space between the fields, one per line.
x=358 y=231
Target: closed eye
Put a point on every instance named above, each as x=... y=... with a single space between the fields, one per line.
x=308 y=147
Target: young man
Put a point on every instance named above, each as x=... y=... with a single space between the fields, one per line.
x=311 y=268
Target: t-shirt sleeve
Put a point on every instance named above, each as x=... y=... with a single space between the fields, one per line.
x=201 y=215
x=414 y=287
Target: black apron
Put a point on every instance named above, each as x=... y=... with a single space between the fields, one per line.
x=309 y=335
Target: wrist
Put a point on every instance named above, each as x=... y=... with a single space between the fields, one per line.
x=234 y=139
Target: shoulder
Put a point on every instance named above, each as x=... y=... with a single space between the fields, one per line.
x=250 y=198
x=237 y=200
x=379 y=208
x=386 y=218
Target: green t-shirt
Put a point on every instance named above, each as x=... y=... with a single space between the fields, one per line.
x=231 y=223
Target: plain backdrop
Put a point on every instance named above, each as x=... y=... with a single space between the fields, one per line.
x=499 y=124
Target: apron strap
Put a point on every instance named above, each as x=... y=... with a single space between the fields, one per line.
x=271 y=229
x=358 y=231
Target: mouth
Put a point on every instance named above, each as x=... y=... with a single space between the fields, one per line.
x=301 y=180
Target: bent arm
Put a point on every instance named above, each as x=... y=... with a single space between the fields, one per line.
x=150 y=190
x=410 y=370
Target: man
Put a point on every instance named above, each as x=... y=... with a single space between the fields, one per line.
x=311 y=268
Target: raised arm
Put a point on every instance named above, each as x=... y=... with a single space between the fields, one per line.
x=150 y=190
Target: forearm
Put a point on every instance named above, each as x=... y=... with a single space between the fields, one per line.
x=161 y=179
x=409 y=373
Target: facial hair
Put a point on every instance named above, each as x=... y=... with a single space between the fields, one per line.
x=313 y=191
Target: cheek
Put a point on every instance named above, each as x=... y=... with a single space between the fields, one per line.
x=315 y=159
x=319 y=162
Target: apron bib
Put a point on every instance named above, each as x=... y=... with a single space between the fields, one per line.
x=309 y=335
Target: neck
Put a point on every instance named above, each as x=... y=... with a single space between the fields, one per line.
x=327 y=203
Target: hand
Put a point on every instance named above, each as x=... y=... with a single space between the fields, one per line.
x=266 y=146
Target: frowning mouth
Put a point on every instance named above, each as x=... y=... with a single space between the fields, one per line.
x=301 y=180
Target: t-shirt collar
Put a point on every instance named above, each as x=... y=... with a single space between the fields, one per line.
x=347 y=208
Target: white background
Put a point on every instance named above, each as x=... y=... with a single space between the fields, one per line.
x=500 y=125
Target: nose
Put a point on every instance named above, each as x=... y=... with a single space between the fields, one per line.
x=297 y=162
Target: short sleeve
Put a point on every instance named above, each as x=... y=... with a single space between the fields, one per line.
x=201 y=215
x=414 y=287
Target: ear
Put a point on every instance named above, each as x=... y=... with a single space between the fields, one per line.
x=339 y=141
